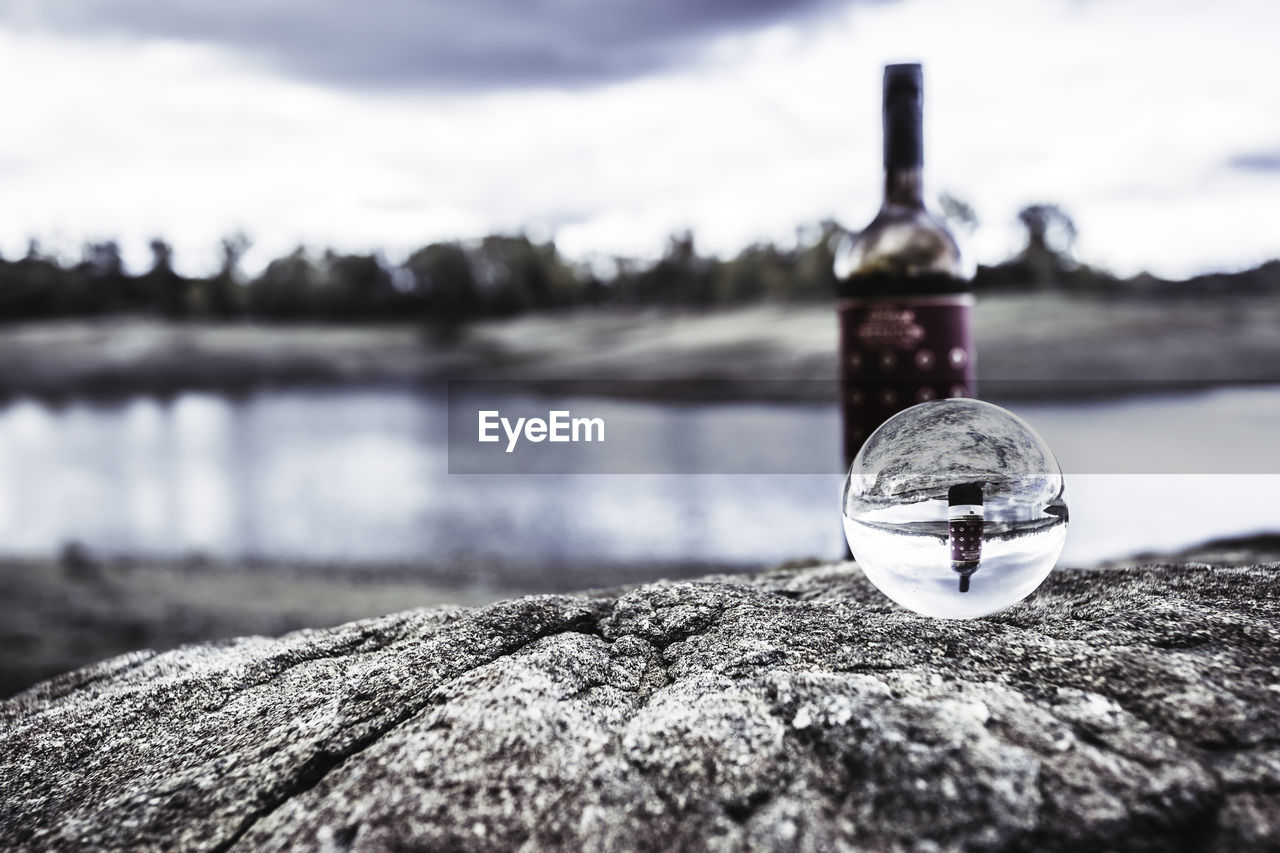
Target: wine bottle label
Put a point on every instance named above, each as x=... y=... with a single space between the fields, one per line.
x=965 y=524
x=895 y=353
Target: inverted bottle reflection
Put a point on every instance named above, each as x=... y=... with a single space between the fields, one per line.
x=965 y=517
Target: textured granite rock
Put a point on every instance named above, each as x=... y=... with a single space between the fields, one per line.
x=795 y=709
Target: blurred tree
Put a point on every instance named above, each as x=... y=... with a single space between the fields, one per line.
x=444 y=279
x=959 y=214
x=103 y=259
x=815 y=269
x=360 y=286
x=1051 y=235
x=1049 y=229
x=96 y=284
x=514 y=274
x=33 y=286
x=287 y=289
x=165 y=289
x=758 y=271
x=223 y=293
x=680 y=277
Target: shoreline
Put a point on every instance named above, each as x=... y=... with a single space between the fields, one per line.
x=58 y=614
x=1030 y=346
x=61 y=614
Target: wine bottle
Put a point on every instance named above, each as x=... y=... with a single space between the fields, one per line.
x=965 y=529
x=902 y=296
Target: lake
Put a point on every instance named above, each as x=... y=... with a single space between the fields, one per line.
x=363 y=477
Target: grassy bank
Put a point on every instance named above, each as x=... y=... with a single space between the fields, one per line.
x=1082 y=344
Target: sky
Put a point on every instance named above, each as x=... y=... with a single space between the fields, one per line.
x=608 y=126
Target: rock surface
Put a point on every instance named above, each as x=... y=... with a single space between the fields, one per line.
x=1132 y=708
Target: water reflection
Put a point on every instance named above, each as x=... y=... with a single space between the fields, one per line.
x=362 y=476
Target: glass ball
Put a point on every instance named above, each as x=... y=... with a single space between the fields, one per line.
x=955 y=509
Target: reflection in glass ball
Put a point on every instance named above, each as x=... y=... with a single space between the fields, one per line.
x=955 y=509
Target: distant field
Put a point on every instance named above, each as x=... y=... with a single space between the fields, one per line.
x=1023 y=337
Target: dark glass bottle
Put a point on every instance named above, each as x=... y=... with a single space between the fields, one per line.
x=965 y=530
x=902 y=294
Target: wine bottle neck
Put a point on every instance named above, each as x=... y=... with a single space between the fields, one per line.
x=903 y=115
x=904 y=187
x=903 y=135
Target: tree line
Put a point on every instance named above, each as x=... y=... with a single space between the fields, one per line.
x=450 y=283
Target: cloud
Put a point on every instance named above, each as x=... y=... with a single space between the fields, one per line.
x=429 y=44
x=1256 y=161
